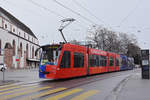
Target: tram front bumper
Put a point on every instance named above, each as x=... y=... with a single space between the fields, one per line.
x=44 y=72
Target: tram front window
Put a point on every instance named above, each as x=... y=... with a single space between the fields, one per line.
x=50 y=56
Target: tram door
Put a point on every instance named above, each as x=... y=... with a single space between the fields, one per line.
x=65 y=64
x=87 y=56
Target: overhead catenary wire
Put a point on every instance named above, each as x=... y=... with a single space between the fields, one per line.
x=14 y=5
x=130 y=13
x=77 y=13
x=53 y=12
x=49 y=10
x=88 y=11
x=57 y=14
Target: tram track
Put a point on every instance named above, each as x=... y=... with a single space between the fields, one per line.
x=61 y=86
x=86 y=83
x=76 y=78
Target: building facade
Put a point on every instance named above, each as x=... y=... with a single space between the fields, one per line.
x=17 y=43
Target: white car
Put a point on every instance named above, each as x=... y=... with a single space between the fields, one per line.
x=2 y=67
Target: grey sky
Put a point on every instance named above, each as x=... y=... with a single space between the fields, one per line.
x=134 y=15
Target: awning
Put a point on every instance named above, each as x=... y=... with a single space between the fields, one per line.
x=33 y=60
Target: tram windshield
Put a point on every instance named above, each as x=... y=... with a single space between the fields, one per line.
x=50 y=54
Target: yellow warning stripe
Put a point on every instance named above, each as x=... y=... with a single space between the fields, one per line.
x=22 y=93
x=42 y=94
x=8 y=85
x=9 y=88
x=16 y=90
x=60 y=96
x=85 y=95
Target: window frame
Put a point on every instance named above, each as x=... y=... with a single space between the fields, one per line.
x=81 y=59
x=111 y=60
x=104 y=61
x=92 y=60
x=0 y=47
x=63 y=59
x=117 y=62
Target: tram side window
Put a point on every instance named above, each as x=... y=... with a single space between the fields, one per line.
x=101 y=60
x=111 y=61
x=97 y=60
x=117 y=62
x=78 y=60
x=104 y=60
x=65 y=62
x=93 y=60
x=124 y=62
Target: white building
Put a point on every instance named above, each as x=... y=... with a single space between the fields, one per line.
x=17 y=42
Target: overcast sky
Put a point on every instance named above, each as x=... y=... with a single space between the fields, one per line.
x=43 y=17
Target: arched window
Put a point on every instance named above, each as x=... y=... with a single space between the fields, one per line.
x=33 y=52
x=13 y=30
x=21 y=49
x=28 y=37
x=24 y=35
x=0 y=47
x=5 y=26
x=19 y=33
x=27 y=50
x=14 y=47
x=8 y=46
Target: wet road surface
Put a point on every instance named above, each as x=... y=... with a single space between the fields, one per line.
x=96 y=87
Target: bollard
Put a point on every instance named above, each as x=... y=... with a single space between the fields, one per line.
x=4 y=75
x=3 y=68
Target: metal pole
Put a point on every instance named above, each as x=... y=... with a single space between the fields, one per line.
x=3 y=75
x=62 y=35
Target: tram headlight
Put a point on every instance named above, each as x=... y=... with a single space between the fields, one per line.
x=40 y=70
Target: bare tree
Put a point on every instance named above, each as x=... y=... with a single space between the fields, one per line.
x=98 y=35
x=112 y=41
x=125 y=41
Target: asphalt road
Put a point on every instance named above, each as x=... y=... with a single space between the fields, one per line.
x=97 y=87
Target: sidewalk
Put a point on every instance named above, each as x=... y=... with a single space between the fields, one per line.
x=20 y=75
x=135 y=88
x=131 y=88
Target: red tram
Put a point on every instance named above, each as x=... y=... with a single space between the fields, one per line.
x=69 y=60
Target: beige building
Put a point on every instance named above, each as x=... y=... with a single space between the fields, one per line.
x=17 y=42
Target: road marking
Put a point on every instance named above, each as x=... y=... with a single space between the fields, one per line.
x=16 y=90
x=8 y=85
x=60 y=96
x=4 y=89
x=22 y=93
x=43 y=94
x=85 y=95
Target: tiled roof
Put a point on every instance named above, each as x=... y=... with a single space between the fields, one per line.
x=15 y=21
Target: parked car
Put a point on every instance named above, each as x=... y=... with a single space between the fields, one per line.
x=2 y=67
